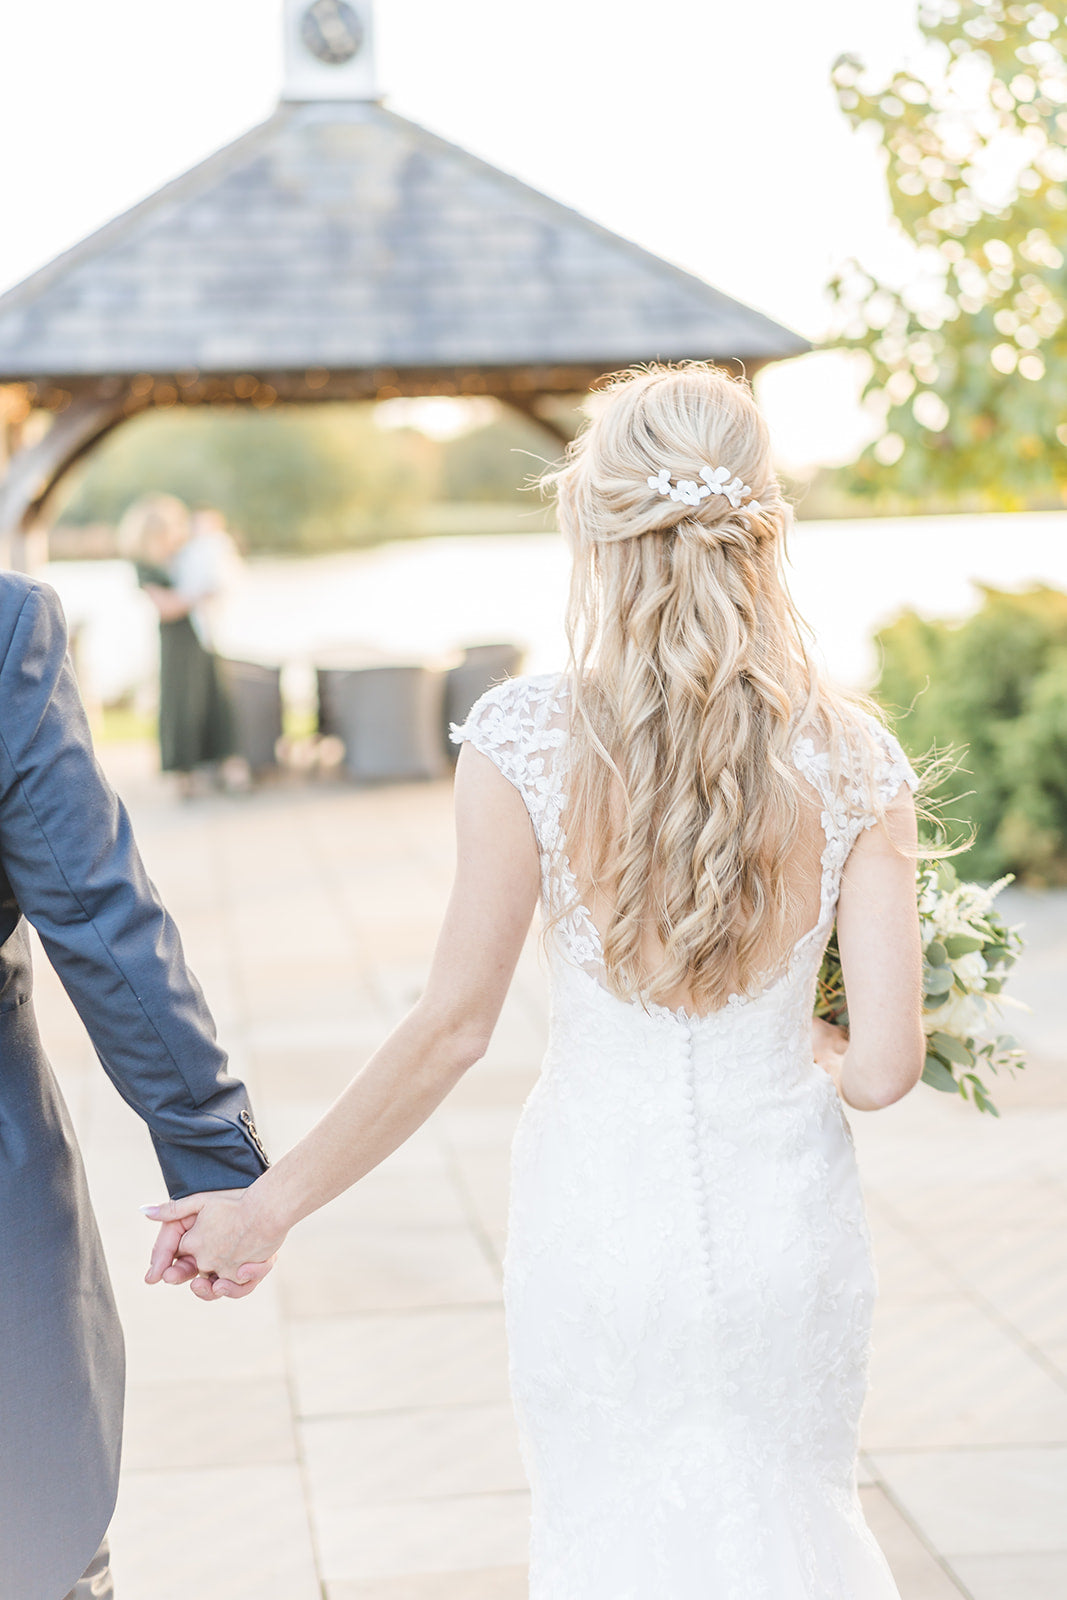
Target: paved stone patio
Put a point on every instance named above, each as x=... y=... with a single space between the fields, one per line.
x=345 y=1433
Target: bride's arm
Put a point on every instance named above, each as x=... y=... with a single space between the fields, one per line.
x=493 y=897
x=881 y=962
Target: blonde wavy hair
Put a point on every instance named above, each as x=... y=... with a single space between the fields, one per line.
x=689 y=681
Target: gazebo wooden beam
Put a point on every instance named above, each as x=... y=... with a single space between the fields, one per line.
x=84 y=410
x=34 y=470
x=527 y=406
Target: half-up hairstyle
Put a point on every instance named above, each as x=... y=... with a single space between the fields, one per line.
x=689 y=681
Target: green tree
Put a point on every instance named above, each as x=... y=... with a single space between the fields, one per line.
x=291 y=478
x=308 y=478
x=497 y=461
x=994 y=688
x=969 y=359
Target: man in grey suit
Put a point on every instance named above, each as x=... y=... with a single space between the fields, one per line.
x=69 y=865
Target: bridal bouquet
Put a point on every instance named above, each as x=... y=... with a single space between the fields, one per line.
x=968 y=950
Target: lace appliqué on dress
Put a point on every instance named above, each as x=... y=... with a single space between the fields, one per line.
x=871 y=766
x=521 y=726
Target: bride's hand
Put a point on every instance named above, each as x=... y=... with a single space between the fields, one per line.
x=225 y=1242
x=829 y=1043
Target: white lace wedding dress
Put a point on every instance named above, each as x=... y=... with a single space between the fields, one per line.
x=688 y=1279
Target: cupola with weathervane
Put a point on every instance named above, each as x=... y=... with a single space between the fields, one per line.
x=329 y=50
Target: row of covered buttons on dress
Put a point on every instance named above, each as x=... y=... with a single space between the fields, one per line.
x=696 y=1168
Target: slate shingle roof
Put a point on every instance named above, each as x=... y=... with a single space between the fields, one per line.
x=346 y=237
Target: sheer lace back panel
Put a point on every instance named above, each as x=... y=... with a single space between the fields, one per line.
x=521 y=725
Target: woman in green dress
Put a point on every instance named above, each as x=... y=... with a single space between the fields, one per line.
x=195 y=723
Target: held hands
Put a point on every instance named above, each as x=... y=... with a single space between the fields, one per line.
x=221 y=1244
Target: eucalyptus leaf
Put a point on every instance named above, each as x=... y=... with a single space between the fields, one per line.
x=937 y=1075
x=978 y=1093
x=938 y=980
x=932 y=1001
x=937 y=953
x=960 y=944
x=952 y=1049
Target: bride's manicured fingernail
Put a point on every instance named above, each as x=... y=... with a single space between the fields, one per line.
x=149 y=1211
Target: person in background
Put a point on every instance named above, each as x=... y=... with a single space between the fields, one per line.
x=183 y=565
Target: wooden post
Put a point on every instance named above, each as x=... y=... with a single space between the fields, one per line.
x=34 y=470
x=527 y=406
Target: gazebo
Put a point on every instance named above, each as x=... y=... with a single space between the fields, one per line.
x=336 y=252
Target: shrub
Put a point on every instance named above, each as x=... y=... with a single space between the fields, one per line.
x=994 y=688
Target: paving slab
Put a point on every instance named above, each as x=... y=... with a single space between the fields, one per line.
x=219 y=1422
x=917 y=1569
x=343 y=1365
x=421 y=1537
x=982 y=1502
x=232 y=1534
x=945 y=1374
x=1018 y=1577
x=430 y=1453
x=386 y=1270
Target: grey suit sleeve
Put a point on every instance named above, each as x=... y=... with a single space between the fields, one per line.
x=69 y=853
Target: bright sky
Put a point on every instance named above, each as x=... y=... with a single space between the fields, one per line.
x=706 y=131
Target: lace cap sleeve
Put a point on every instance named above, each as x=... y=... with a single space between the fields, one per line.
x=520 y=725
x=494 y=726
x=891 y=768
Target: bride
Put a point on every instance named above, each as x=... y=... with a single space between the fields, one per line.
x=688 y=1278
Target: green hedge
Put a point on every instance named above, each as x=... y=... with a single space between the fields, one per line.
x=994 y=689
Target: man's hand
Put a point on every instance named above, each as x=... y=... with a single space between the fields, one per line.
x=217 y=1243
x=170 y=1263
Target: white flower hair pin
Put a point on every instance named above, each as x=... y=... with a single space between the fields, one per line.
x=715 y=480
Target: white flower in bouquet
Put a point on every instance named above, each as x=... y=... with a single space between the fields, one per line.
x=968 y=951
x=962 y=1016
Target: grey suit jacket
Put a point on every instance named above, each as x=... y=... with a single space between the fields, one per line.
x=69 y=865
